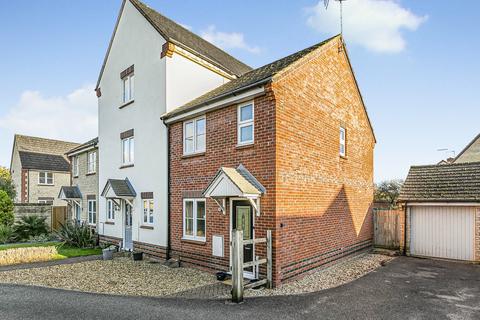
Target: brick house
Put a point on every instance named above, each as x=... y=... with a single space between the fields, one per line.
x=287 y=147
x=471 y=153
x=82 y=193
x=39 y=167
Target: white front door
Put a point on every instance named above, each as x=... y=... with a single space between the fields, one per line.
x=443 y=232
x=127 y=215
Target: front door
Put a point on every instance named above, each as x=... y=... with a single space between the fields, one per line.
x=127 y=240
x=242 y=219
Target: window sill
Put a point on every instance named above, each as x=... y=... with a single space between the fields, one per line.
x=126 y=104
x=75 y=176
x=245 y=145
x=197 y=242
x=110 y=222
x=344 y=157
x=193 y=155
x=93 y=225
x=91 y=173
x=126 y=166
x=46 y=185
x=146 y=227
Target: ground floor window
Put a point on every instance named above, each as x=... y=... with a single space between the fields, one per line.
x=148 y=211
x=92 y=211
x=77 y=211
x=111 y=208
x=45 y=201
x=194 y=214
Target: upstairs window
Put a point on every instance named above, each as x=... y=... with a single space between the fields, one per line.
x=245 y=129
x=127 y=151
x=75 y=166
x=45 y=178
x=194 y=133
x=343 y=140
x=92 y=162
x=128 y=84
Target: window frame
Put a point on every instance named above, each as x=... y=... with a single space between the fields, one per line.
x=194 y=237
x=342 y=142
x=150 y=215
x=46 y=201
x=246 y=123
x=45 y=183
x=110 y=213
x=130 y=79
x=131 y=151
x=75 y=166
x=94 y=164
x=92 y=213
x=194 y=121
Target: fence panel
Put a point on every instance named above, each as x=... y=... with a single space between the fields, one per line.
x=387 y=228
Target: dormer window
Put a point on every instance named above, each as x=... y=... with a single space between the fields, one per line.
x=128 y=84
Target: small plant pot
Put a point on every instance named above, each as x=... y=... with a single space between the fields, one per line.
x=221 y=276
x=137 y=256
x=108 y=254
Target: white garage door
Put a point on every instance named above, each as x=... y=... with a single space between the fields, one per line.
x=443 y=232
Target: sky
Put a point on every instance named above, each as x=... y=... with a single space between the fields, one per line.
x=416 y=62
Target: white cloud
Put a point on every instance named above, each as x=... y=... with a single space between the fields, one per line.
x=228 y=40
x=374 y=24
x=72 y=117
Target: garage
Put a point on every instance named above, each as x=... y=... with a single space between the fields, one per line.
x=443 y=232
x=443 y=211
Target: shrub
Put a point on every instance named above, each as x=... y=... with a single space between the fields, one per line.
x=41 y=238
x=6 y=182
x=6 y=209
x=76 y=235
x=26 y=255
x=6 y=233
x=29 y=226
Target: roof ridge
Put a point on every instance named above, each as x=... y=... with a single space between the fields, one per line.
x=41 y=138
x=446 y=165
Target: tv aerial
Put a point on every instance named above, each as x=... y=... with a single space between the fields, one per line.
x=326 y=3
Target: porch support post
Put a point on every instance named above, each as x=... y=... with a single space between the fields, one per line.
x=237 y=266
x=269 y=260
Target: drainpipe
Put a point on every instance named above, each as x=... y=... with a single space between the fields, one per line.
x=405 y=229
x=168 y=194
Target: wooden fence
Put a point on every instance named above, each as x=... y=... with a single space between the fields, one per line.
x=237 y=264
x=388 y=228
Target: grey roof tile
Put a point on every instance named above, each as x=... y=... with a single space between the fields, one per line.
x=255 y=77
x=85 y=145
x=71 y=192
x=121 y=188
x=449 y=182
x=42 y=161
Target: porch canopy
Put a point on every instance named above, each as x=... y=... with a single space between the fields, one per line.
x=70 y=194
x=119 y=189
x=235 y=183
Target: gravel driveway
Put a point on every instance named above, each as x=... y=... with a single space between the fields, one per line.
x=123 y=276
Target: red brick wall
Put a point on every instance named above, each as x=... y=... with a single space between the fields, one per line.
x=194 y=174
x=323 y=200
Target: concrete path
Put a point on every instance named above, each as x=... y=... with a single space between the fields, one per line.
x=407 y=288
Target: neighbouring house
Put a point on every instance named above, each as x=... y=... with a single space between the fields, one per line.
x=471 y=153
x=442 y=218
x=152 y=65
x=82 y=194
x=39 y=167
x=287 y=147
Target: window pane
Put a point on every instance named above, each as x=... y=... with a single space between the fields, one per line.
x=200 y=219
x=189 y=209
x=151 y=211
x=145 y=211
x=201 y=143
x=132 y=148
x=200 y=228
x=201 y=210
x=189 y=145
x=125 y=90
x=132 y=87
x=189 y=227
x=189 y=130
x=200 y=126
x=125 y=151
x=41 y=177
x=246 y=133
x=246 y=113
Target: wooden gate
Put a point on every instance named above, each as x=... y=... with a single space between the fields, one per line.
x=59 y=216
x=386 y=228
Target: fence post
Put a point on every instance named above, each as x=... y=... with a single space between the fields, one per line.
x=237 y=266
x=269 y=260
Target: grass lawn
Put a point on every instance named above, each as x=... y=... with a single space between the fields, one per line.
x=64 y=251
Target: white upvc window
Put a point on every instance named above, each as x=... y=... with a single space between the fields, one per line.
x=92 y=212
x=245 y=128
x=75 y=167
x=45 y=178
x=46 y=201
x=128 y=87
x=194 y=135
x=148 y=211
x=111 y=208
x=194 y=219
x=343 y=142
x=92 y=162
x=128 y=146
